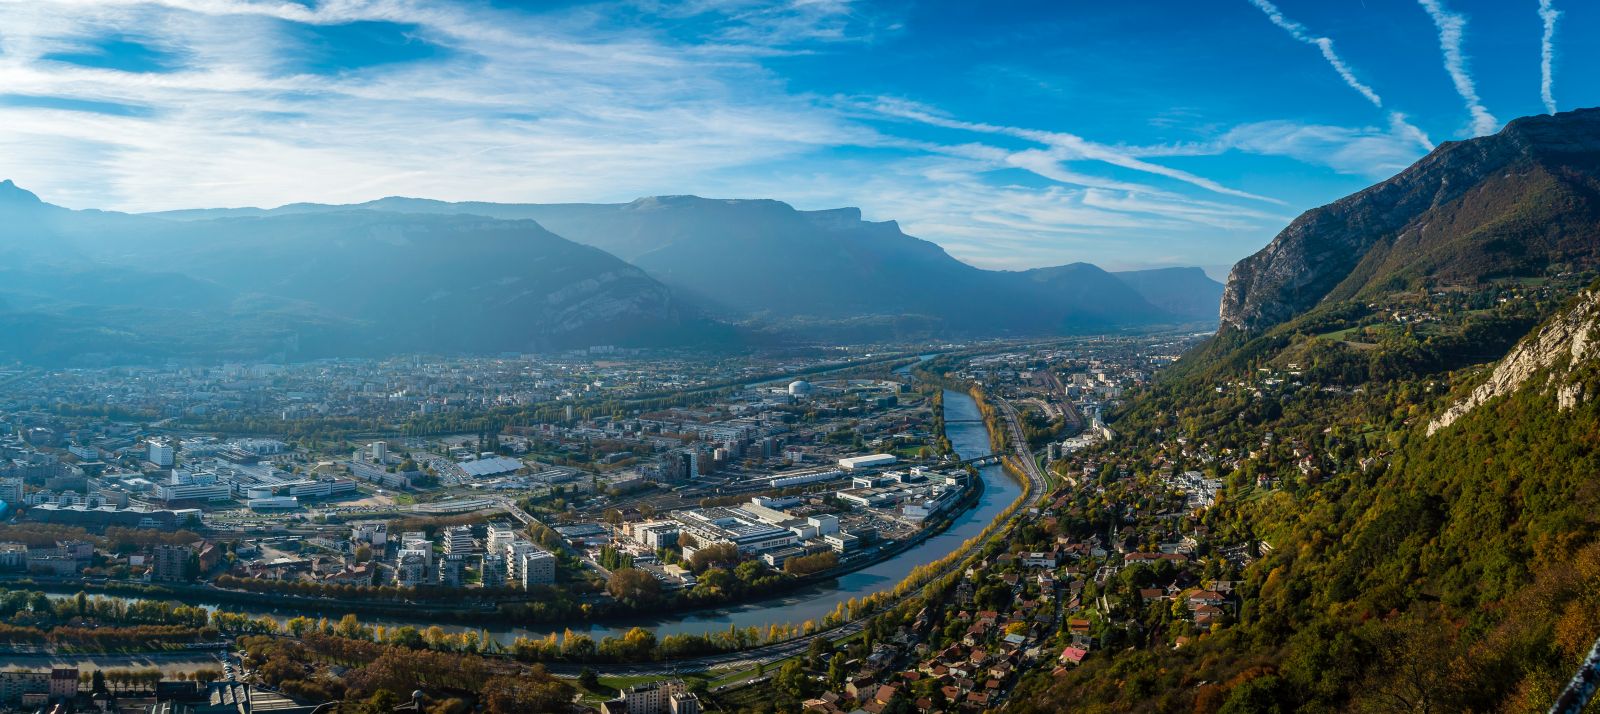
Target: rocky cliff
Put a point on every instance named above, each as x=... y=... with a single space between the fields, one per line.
x=1516 y=202
x=1558 y=350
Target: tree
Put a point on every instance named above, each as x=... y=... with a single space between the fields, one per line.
x=724 y=555
x=748 y=571
x=836 y=670
x=514 y=695
x=808 y=564
x=381 y=702
x=792 y=680
x=634 y=586
x=589 y=680
x=820 y=647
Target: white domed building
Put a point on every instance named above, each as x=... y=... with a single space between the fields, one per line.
x=799 y=388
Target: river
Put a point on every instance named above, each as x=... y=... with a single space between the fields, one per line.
x=968 y=436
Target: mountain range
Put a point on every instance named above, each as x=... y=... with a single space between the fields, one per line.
x=764 y=258
x=403 y=274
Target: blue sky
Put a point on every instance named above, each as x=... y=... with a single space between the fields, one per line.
x=1015 y=134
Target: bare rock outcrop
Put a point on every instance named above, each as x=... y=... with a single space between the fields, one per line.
x=1561 y=346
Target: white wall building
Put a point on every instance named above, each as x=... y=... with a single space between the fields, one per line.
x=862 y=462
x=160 y=453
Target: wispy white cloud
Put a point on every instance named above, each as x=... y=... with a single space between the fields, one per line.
x=1547 y=53
x=575 y=105
x=1370 y=152
x=783 y=23
x=1064 y=146
x=1325 y=45
x=528 y=108
x=1452 y=30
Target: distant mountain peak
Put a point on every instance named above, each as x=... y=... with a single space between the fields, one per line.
x=11 y=193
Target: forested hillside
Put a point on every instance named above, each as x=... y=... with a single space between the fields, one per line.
x=1392 y=570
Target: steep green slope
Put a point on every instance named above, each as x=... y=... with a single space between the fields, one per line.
x=1403 y=572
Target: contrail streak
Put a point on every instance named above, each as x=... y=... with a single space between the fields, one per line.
x=1325 y=45
x=1451 y=26
x=1547 y=53
x=1299 y=32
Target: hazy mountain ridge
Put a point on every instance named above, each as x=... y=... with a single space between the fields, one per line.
x=1515 y=203
x=400 y=274
x=337 y=283
x=766 y=260
x=1185 y=292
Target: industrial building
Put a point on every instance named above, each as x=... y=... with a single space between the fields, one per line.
x=850 y=463
x=739 y=527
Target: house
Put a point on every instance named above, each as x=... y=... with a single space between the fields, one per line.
x=826 y=703
x=1040 y=560
x=1073 y=655
x=860 y=688
x=884 y=694
x=1207 y=614
x=361 y=574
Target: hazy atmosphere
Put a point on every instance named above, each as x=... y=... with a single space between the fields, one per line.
x=799 y=357
x=1018 y=135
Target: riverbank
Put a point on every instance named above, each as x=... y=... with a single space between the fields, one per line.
x=719 y=648
x=809 y=601
x=281 y=606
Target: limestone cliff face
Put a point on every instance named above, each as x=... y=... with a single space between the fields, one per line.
x=1558 y=349
x=1511 y=203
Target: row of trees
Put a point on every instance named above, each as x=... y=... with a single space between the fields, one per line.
x=375 y=671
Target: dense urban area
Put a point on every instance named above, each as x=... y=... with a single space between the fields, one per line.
x=449 y=497
x=930 y=528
